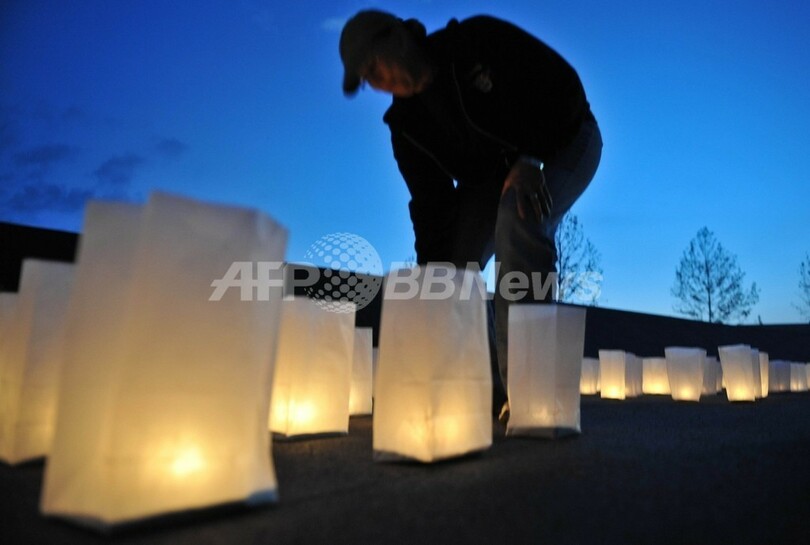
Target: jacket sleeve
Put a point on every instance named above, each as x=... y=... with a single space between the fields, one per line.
x=433 y=201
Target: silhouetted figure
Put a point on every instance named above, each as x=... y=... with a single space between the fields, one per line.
x=493 y=135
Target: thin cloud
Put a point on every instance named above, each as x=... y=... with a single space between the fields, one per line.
x=171 y=148
x=119 y=171
x=43 y=157
x=333 y=24
x=39 y=197
x=9 y=129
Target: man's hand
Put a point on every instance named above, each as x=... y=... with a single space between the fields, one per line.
x=531 y=192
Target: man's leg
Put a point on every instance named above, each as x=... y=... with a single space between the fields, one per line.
x=526 y=246
x=475 y=243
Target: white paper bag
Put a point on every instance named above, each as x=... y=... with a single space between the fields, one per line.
x=756 y=370
x=433 y=396
x=589 y=383
x=178 y=388
x=798 y=377
x=613 y=374
x=655 y=380
x=710 y=378
x=8 y=311
x=779 y=376
x=764 y=373
x=545 y=359
x=29 y=386
x=360 y=396
x=685 y=371
x=313 y=370
x=634 y=380
x=738 y=372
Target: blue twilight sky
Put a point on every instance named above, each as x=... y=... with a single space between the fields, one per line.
x=703 y=106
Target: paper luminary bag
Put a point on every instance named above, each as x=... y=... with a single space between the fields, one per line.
x=8 y=309
x=29 y=385
x=313 y=369
x=375 y=357
x=589 y=382
x=655 y=379
x=685 y=371
x=798 y=377
x=710 y=378
x=168 y=369
x=360 y=394
x=778 y=376
x=756 y=369
x=545 y=359
x=738 y=372
x=764 y=373
x=433 y=397
x=634 y=380
x=613 y=372
x=718 y=370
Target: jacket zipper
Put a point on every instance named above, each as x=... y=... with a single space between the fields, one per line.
x=487 y=134
x=424 y=150
x=475 y=127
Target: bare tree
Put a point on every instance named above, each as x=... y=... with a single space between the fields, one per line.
x=804 y=287
x=709 y=282
x=578 y=271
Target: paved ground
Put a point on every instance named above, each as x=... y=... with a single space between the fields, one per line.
x=644 y=471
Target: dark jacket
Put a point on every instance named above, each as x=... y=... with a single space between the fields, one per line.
x=498 y=93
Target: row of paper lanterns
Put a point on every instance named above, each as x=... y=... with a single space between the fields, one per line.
x=147 y=397
x=686 y=374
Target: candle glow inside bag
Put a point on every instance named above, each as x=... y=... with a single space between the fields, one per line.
x=545 y=359
x=433 y=389
x=685 y=371
x=313 y=370
x=29 y=380
x=171 y=359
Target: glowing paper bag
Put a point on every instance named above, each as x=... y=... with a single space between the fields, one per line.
x=589 y=383
x=655 y=379
x=375 y=357
x=756 y=370
x=718 y=369
x=360 y=395
x=433 y=395
x=313 y=369
x=8 y=306
x=177 y=391
x=613 y=372
x=685 y=371
x=738 y=372
x=710 y=377
x=8 y=309
x=545 y=359
x=29 y=385
x=764 y=373
x=634 y=381
x=76 y=484
x=798 y=377
x=776 y=377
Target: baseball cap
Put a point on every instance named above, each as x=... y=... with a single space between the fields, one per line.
x=357 y=40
